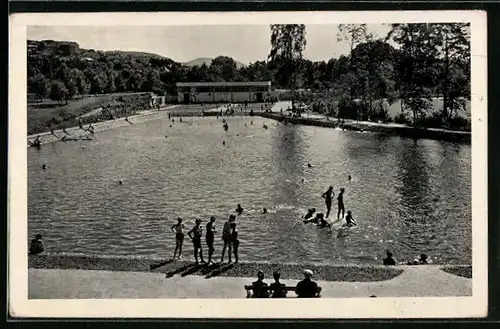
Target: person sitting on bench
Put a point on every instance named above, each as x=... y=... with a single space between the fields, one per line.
x=259 y=287
x=307 y=288
x=277 y=288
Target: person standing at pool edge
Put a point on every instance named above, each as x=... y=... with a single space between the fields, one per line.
x=178 y=229
x=340 y=199
x=209 y=237
x=235 y=241
x=226 y=237
x=328 y=195
x=195 y=235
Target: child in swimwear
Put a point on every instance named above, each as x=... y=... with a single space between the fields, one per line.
x=178 y=229
x=239 y=209
x=328 y=195
x=349 y=220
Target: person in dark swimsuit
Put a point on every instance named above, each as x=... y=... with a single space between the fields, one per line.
x=264 y=210
x=323 y=223
x=389 y=260
x=235 y=242
x=226 y=238
x=178 y=229
x=310 y=213
x=209 y=238
x=316 y=219
x=195 y=235
x=328 y=195
x=277 y=288
x=349 y=220
x=36 y=246
x=239 y=209
x=340 y=200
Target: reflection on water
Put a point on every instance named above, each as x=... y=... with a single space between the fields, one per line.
x=408 y=196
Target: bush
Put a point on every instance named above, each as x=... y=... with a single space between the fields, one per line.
x=435 y=120
x=402 y=118
x=459 y=123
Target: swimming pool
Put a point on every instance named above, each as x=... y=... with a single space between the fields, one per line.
x=408 y=196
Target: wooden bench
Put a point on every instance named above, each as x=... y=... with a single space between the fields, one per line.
x=249 y=289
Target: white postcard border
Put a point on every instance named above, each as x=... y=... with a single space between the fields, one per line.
x=432 y=307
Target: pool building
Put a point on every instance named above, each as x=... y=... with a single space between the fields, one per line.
x=222 y=92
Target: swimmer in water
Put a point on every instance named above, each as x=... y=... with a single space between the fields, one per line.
x=323 y=223
x=264 y=210
x=328 y=195
x=251 y=122
x=309 y=165
x=120 y=182
x=223 y=142
x=340 y=201
x=180 y=120
x=173 y=120
x=239 y=209
x=310 y=213
x=349 y=220
x=349 y=177
x=44 y=167
x=178 y=229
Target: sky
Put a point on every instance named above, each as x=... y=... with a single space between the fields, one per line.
x=244 y=43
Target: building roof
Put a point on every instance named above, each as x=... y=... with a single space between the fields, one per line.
x=223 y=84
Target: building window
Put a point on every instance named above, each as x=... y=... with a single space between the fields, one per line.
x=204 y=89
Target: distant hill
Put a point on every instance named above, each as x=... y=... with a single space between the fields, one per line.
x=135 y=53
x=207 y=61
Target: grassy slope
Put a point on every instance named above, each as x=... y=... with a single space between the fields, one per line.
x=42 y=112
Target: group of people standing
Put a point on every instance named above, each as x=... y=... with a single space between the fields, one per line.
x=229 y=238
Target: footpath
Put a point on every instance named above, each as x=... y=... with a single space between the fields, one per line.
x=417 y=281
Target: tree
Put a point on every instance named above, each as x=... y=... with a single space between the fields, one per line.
x=223 y=68
x=373 y=64
x=354 y=34
x=58 y=91
x=417 y=69
x=287 y=44
x=39 y=85
x=79 y=83
x=453 y=43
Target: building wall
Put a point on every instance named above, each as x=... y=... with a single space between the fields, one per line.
x=221 y=97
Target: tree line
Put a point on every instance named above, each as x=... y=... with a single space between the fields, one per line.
x=413 y=63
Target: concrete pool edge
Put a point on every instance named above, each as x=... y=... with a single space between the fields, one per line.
x=388 y=129
x=339 y=273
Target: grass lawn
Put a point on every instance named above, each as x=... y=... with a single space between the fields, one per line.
x=39 y=113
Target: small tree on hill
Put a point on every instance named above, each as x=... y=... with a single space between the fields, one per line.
x=58 y=92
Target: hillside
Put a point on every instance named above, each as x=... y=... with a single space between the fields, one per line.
x=207 y=61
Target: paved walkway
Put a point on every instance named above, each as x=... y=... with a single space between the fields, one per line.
x=418 y=281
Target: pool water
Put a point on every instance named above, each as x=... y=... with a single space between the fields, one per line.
x=408 y=196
